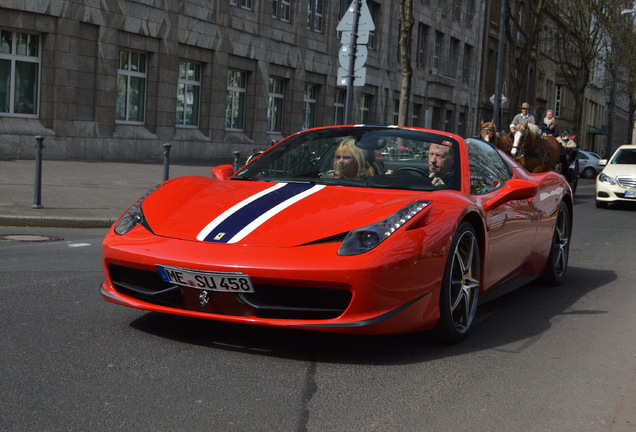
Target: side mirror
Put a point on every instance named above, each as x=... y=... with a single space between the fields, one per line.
x=223 y=172
x=514 y=189
x=602 y=162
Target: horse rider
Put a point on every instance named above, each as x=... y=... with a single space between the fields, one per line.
x=548 y=126
x=522 y=117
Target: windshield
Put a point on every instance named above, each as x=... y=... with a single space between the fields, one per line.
x=625 y=157
x=377 y=157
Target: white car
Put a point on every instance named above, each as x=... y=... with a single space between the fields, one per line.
x=617 y=181
x=589 y=165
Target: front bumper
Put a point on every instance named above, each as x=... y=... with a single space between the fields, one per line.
x=301 y=287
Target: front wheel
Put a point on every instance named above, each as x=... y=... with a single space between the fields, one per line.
x=557 y=264
x=589 y=172
x=459 y=292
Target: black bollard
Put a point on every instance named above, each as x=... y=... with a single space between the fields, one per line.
x=37 y=190
x=237 y=154
x=166 y=161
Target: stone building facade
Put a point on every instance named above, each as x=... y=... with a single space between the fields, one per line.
x=117 y=79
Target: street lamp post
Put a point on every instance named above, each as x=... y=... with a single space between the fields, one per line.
x=610 y=126
x=498 y=77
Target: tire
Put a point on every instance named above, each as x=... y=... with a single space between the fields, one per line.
x=588 y=173
x=601 y=204
x=557 y=264
x=459 y=293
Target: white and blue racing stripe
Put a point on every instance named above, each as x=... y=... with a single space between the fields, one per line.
x=238 y=221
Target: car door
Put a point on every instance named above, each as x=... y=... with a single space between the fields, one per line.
x=511 y=227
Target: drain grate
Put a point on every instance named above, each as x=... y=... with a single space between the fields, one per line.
x=29 y=237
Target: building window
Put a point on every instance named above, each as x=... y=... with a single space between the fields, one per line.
x=374 y=9
x=396 y=111
x=310 y=101
x=188 y=93
x=557 y=101
x=235 y=104
x=422 y=32
x=436 y=58
x=457 y=10
x=245 y=4
x=343 y=5
x=339 y=107
x=19 y=73
x=315 y=10
x=467 y=63
x=131 y=87
x=448 y=121
x=461 y=124
x=275 y=102
x=415 y=118
x=470 y=10
x=365 y=108
x=282 y=10
x=453 y=58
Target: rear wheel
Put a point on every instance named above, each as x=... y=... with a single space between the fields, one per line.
x=557 y=264
x=460 y=286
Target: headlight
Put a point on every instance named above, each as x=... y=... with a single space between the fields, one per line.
x=604 y=178
x=134 y=216
x=366 y=238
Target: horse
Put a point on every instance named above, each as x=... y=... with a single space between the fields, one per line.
x=489 y=134
x=533 y=151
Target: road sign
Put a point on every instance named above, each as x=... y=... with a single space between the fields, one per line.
x=359 y=77
x=344 y=56
x=362 y=39
x=503 y=99
x=365 y=22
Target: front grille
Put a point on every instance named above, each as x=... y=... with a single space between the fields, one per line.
x=290 y=302
x=268 y=301
x=145 y=285
x=626 y=182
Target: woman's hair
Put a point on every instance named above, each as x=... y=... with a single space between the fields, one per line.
x=348 y=146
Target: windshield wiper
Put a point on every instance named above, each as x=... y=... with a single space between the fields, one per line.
x=245 y=177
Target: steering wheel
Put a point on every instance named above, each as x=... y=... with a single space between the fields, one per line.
x=416 y=170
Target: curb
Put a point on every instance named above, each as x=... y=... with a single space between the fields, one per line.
x=55 y=222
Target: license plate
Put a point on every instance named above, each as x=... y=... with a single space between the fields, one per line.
x=213 y=281
x=630 y=194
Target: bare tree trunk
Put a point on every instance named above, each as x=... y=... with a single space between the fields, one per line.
x=406 y=41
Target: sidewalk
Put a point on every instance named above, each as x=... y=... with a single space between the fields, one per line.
x=80 y=194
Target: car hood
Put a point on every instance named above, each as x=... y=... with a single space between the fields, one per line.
x=264 y=213
x=617 y=170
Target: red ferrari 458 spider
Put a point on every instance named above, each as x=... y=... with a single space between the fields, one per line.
x=352 y=229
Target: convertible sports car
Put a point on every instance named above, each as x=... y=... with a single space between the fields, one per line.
x=290 y=241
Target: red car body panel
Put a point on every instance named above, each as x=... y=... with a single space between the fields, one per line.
x=393 y=287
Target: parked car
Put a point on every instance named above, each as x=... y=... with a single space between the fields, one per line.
x=617 y=181
x=429 y=225
x=588 y=164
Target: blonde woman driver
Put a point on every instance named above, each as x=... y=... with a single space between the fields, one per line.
x=349 y=162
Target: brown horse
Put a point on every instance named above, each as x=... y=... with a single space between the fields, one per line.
x=533 y=151
x=489 y=134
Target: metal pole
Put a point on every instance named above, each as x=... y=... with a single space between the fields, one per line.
x=496 y=113
x=610 y=124
x=37 y=190
x=166 y=161
x=352 y=59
